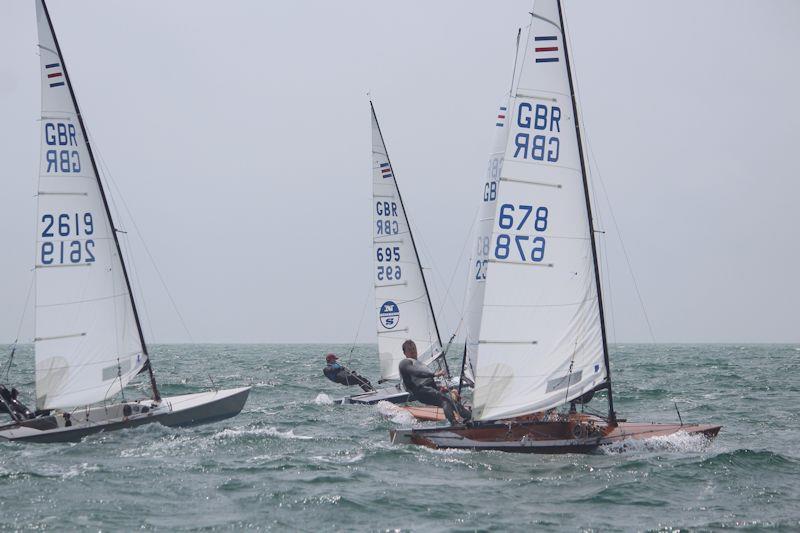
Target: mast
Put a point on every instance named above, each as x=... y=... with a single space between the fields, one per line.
x=153 y=385
x=463 y=369
x=413 y=245
x=611 y=414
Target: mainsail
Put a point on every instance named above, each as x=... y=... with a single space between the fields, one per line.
x=88 y=338
x=401 y=293
x=541 y=337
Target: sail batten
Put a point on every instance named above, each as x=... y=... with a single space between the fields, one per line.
x=402 y=300
x=75 y=229
x=540 y=217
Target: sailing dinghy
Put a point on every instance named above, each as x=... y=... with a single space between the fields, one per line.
x=89 y=341
x=402 y=301
x=536 y=331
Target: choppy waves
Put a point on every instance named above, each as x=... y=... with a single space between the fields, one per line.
x=293 y=460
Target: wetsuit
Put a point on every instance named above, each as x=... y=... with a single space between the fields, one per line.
x=9 y=401
x=339 y=374
x=419 y=382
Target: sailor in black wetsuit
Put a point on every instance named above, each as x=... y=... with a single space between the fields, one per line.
x=343 y=376
x=419 y=382
x=11 y=404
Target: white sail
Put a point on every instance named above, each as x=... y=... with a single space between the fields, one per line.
x=541 y=340
x=479 y=260
x=401 y=296
x=87 y=339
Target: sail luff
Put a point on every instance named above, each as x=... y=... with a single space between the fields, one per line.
x=107 y=209
x=598 y=287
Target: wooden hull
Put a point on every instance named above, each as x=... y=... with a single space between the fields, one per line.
x=576 y=435
x=425 y=413
x=185 y=410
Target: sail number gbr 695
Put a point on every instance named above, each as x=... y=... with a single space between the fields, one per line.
x=510 y=246
x=70 y=244
x=387 y=258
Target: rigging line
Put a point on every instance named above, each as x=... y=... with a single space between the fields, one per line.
x=19 y=328
x=605 y=273
x=150 y=256
x=582 y=125
x=360 y=322
x=447 y=296
x=516 y=57
x=608 y=291
x=624 y=249
x=131 y=259
x=455 y=270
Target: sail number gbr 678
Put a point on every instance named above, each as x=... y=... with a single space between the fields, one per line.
x=511 y=246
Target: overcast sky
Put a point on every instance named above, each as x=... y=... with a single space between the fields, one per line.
x=237 y=133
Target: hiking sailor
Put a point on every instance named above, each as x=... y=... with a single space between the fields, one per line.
x=419 y=382
x=9 y=403
x=344 y=376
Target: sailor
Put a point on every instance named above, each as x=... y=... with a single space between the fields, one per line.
x=18 y=406
x=11 y=404
x=420 y=384
x=344 y=376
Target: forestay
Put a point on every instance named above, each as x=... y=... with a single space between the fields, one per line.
x=401 y=296
x=87 y=339
x=541 y=339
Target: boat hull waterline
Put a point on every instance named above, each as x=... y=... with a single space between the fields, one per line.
x=184 y=410
x=543 y=437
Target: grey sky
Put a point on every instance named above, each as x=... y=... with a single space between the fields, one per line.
x=238 y=133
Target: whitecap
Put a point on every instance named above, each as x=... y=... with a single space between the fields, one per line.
x=272 y=431
x=394 y=413
x=677 y=442
x=323 y=399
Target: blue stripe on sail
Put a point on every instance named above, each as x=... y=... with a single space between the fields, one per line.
x=553 y=38
x=58 y=84
x=499 y=124
x=503 y=109
x=547 y=60
x=51 y=65
x=384 y=165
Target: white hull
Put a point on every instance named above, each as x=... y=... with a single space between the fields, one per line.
x=389 y=394
x=184 y=410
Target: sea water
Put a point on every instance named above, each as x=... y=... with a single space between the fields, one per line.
x=292 y=460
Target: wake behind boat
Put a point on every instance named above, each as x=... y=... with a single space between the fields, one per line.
x=536 y=333
x=88 y=340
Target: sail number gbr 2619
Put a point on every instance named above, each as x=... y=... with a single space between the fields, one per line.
x=515 y=247
x=70 y=245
